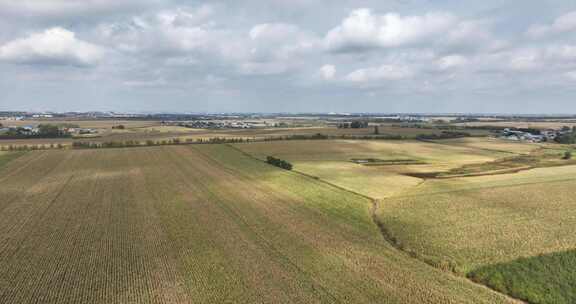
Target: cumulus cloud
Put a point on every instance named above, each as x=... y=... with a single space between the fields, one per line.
x=160 y=44
x=328 y=72
x=168 y=32
x=562 y=24
x=451 y=62
x=381 y=73
x=55 y=46
x=526 y=60
x=194 y=34
x=364 y=30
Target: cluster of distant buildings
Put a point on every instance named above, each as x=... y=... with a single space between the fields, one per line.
x=24 y=131
x=216 y=124
x=532 y=135
x=30 y=130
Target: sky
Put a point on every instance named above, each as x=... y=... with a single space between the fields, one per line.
x=383 y=56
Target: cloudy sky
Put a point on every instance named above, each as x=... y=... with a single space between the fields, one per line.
x=495 y=56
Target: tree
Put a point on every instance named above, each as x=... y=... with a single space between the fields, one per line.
x=359 y=124
x=566 y=138
x=279 y=163
x=46 y=130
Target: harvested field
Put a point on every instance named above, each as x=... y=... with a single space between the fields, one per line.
x=6 y=157
x=196 y=224
x=495 y=144
x=332 y=160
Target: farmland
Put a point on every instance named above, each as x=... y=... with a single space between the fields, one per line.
x=355 y=221
x=498 y=229
x=6 y=157
x=197 y=224
x=512 y=232
x=143 y=130
x=331 y=161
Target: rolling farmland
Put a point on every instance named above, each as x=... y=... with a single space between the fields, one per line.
x=330 y=160
x=513 y=232
x=174 y=225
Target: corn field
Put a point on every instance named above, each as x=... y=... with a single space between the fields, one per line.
x=196 y=224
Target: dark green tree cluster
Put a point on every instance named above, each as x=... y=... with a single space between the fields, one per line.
x=44 y=131
x=278 y=163
x=50 y=131
x=568 y=137
x=357 y=124
x=443 y=135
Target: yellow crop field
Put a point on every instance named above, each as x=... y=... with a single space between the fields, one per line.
x=331 y=161
x=494 y=144
x=513 y=232
x=197 y=224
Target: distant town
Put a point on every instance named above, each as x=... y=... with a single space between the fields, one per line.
x=538 y=128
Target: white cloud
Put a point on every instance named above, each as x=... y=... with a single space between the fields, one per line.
x=192 y=33
x=57 y=46
x=273 y=31
x=562 y=24
x=362 y=30
x=526 y=60
x=328 y=72
x=186 y=17
x=451 y=62
x=177 y=32
x=384 y=72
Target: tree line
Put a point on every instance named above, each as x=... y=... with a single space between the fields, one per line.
x=225 y=140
